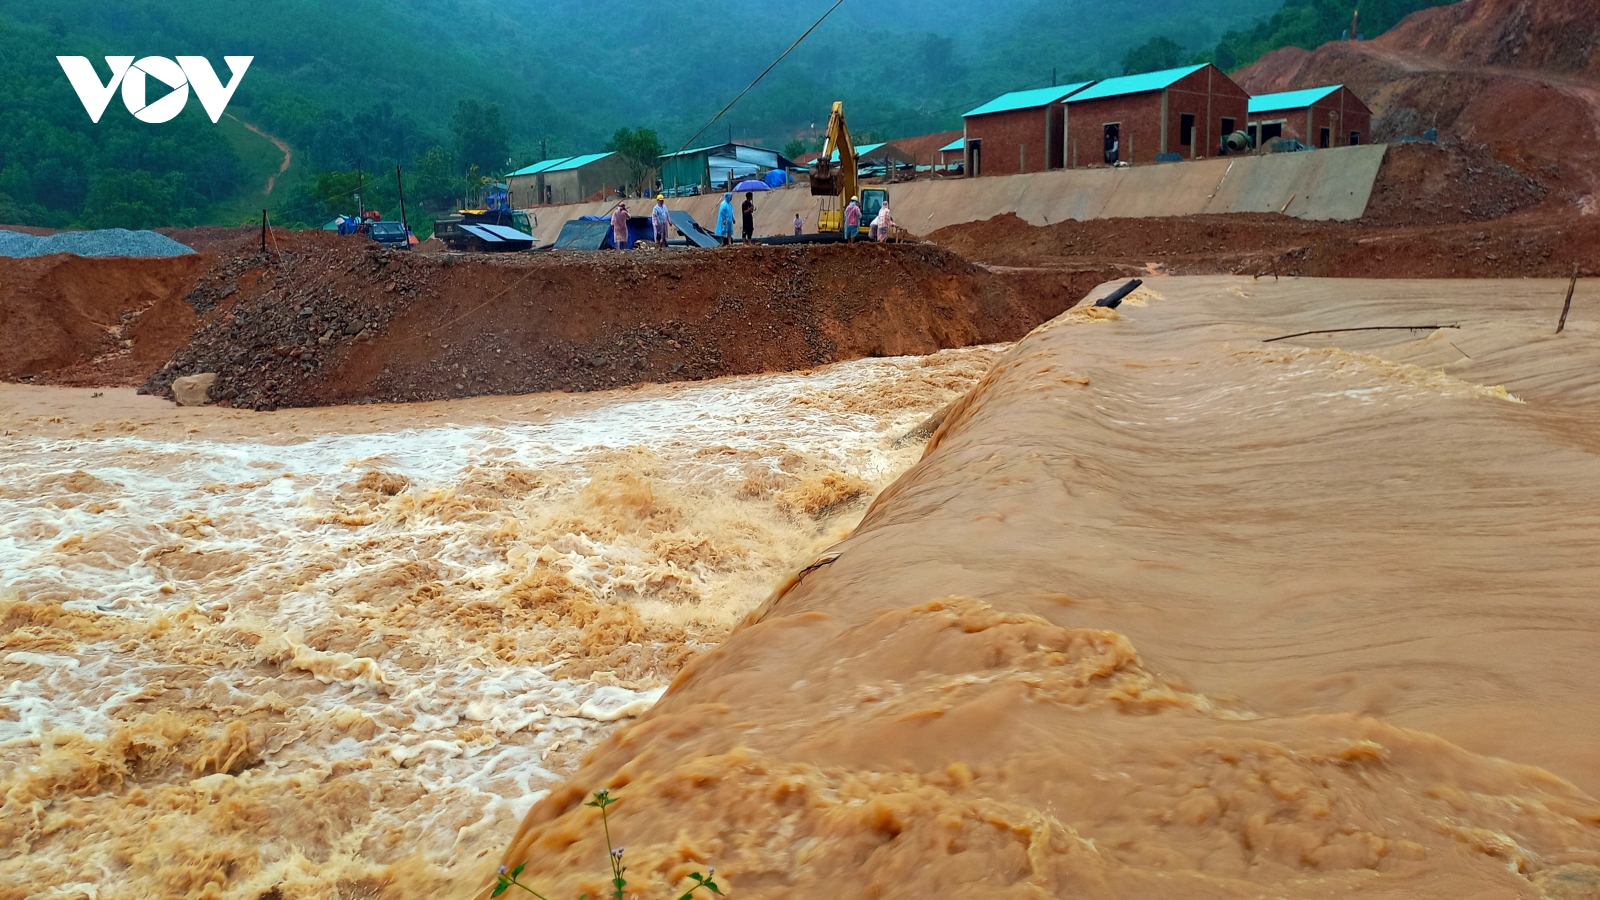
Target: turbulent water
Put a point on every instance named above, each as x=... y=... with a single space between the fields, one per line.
x=340 y=653
x=1170 y=609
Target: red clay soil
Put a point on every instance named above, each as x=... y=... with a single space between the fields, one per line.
x=1534 y=244
x=1521 y=78
x=334 y=320
x=77 y=320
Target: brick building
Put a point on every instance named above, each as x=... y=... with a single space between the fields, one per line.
x=1175 y=113
x=1018 y=132
x=1329 y=116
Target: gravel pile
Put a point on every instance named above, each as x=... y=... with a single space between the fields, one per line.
x=107 y=242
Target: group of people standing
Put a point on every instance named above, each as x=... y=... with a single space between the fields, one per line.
x=661 y=221
x=725 y=217
x=879 y=229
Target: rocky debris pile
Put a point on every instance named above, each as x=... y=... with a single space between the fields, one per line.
x=283 y=316
x=105 y=242
x=1424 y=183
x=331 y=320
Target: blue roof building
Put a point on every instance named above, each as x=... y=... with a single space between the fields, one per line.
x=1018 y=132
x=1327 y=116
x=1173 y=114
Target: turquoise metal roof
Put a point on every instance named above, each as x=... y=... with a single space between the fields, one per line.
x=959 y=143
x=577 y=162
x=1291 y=99
x=693 y=151
x=1136 y=84
x=861 y=149
x=1028 y=99
x=538 y=167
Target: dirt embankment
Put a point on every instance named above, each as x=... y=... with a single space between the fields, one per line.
x=102 y=321
x=1437 y=211
x=329 y=320
x=1264 y=244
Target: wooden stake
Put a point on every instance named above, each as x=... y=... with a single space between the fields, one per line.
x=1567 y=307
x=264 y=234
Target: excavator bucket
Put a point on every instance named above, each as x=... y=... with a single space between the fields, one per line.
x=824 y=179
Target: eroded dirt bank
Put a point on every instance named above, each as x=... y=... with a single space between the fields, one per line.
x=1168 y=611
x=328 y=320
x=65 y=315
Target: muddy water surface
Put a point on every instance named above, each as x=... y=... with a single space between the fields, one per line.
x=341 y=652
x=1170 y=610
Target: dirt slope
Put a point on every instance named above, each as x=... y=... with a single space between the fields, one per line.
x=1530 y=245
x=110 y=320
x=1520 y=77
x=334 y=321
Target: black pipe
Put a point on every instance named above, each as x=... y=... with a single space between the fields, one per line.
x=1114 y=299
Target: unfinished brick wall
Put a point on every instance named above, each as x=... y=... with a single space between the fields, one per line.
x=1017 y=141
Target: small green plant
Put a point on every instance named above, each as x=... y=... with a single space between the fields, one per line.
x=619 y=883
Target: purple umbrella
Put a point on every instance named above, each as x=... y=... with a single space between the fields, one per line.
x=752 y=185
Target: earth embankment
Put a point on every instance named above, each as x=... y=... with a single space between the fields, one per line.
x=330 y=320
x=93 y=320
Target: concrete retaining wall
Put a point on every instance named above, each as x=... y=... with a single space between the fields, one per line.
x=1320 y=184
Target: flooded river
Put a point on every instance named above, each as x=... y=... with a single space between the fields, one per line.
x=341 y=652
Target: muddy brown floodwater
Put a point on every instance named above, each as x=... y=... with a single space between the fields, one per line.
x=339 y=652
x=1170 y=611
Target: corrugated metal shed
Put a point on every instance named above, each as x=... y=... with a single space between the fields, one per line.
x=1291 y=99
x=714 y=165
x=1136 y=84
x=1029 y=99
x=959 y=143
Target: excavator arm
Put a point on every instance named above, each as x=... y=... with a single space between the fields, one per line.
x=834 y=181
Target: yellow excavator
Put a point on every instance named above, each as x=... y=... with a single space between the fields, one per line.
x=837 y=181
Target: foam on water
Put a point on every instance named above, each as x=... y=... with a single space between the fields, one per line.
x=387 y=645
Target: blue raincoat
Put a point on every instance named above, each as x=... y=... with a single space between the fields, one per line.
x=725 y=217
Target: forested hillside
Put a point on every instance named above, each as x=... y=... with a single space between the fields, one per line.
x=443 y=85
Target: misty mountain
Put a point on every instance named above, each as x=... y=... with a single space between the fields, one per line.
x=379 y=80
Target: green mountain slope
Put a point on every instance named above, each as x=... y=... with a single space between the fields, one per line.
x=373 y=83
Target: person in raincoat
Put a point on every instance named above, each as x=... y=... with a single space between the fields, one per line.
x=619 y=226
x=725 y=219
x=883 y=224
x=799 y=224
x=661 y=220
x=852 y=221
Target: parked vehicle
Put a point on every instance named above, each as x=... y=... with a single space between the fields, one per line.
x=388 y=233
x=449 y=230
